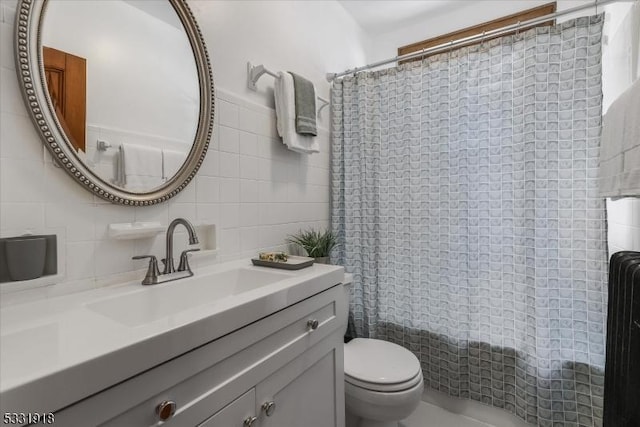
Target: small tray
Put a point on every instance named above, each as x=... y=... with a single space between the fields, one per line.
x=292 y=263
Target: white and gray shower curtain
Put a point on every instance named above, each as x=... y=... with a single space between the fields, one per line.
x=464 y=193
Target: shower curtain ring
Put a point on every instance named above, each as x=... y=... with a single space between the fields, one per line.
x=518 y=28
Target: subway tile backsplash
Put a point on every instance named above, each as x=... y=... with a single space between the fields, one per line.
x=254 y=189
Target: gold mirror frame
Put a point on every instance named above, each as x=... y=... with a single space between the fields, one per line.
x=30 y=69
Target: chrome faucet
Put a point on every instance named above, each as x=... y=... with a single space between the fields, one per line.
x=169 y=273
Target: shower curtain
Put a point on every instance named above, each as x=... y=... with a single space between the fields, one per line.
x=464 y=194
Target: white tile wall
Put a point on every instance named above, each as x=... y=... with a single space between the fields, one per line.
x=618 y=72
x=254 y=189
x=623 y=218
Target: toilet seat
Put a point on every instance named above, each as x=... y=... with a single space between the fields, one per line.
x=384 y=387
x=380 y=366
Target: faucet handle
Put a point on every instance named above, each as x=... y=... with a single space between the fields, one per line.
x=184 y=259
x=153 y=272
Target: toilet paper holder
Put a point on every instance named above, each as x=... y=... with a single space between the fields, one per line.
x=27 y=257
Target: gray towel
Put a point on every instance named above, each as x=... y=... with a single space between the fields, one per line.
x=305 y=96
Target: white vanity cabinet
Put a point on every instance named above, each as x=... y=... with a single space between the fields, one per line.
x=284 y=370
x=302 y=393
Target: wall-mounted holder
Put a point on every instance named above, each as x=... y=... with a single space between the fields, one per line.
x=28 y=257
x=254 y=72
x=135 y=230
x=103 y=145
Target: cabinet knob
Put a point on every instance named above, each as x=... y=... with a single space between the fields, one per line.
x=312 y=324
x=249 y=421
x=268 y=408
x=166 y=409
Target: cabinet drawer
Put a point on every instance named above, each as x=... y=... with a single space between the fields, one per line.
x=203 y=381
x=234 y=414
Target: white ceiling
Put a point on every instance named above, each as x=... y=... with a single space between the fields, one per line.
x=382 y=16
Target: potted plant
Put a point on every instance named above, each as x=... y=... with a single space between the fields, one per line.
x=317 y=244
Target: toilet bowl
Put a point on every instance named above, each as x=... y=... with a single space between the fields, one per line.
x=383 y=382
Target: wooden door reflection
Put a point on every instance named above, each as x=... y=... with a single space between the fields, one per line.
x=67 y=84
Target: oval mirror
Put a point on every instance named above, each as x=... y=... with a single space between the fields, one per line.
x=120 y=91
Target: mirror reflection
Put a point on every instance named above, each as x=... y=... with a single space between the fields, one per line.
x=123 y=82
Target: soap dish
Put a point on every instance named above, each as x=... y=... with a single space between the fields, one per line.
x=135 y=230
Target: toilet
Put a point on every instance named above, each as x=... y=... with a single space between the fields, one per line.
x=383 y=381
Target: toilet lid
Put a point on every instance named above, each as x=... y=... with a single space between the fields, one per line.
x=379 y=362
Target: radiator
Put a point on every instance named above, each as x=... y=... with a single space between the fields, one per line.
x=622 y=369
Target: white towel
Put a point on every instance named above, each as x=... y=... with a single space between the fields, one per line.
x=619 y=170
x=172 y=161
x=286 y=117
x=139 y=167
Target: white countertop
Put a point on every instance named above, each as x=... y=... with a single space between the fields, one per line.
x=56 y=351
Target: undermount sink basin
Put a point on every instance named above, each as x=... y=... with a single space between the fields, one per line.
x=158 y=301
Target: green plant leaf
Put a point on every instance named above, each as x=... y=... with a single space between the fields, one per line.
x=316 y=243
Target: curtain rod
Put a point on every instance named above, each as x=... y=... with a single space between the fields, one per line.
x=478 y=37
